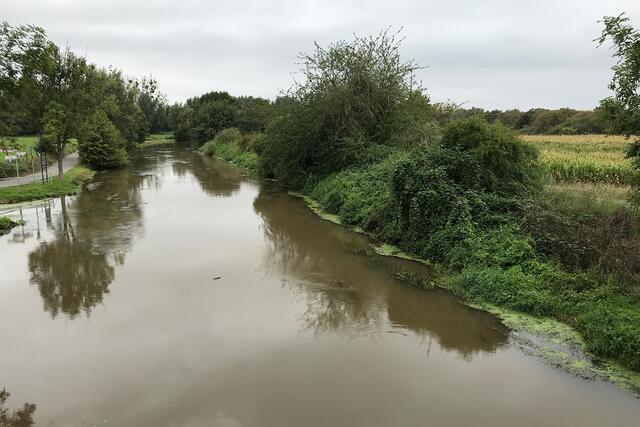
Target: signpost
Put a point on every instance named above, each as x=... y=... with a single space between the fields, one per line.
x=33 y=165
x=15 y=157
x=44 y=168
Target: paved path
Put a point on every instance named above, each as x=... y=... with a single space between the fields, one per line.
x=67 y=163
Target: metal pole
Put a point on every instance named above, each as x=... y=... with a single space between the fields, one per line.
x=33 y=165
x=17 y=171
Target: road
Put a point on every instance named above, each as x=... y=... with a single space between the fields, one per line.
x=67 y=163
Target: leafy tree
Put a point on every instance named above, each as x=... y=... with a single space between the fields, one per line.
x=152 y=103
x=355 y=96
x=623 y=108
x=27 y=58
x=100 y=144
x=254 y=114
x=69 y=104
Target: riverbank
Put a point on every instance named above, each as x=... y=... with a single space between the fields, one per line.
x=72 y=184
x=158 y=139
x=6 y=224
x=560 y=344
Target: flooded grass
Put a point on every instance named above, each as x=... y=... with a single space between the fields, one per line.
x=72 y=183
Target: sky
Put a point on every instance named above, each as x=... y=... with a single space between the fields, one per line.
x=490 y=54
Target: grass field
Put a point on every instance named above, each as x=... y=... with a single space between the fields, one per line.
x=25 y=142
x=596 y=159
x=71 y=184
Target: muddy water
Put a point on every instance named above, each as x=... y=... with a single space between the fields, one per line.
x=179 y=293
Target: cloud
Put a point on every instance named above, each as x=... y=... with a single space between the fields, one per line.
x=490 y=53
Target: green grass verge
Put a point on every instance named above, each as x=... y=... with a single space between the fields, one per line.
x=71 y=184
x=232 y=153
x=158 y=139
x=6 y=224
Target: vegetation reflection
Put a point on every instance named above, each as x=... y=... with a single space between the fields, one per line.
x=354 y=293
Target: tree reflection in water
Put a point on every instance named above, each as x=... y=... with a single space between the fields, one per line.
x=357 y=294
x=19 y=418
x=215 y=177
x=92 y=234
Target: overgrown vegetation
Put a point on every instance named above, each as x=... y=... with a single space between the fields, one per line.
x=69 y=185
x=6 y=224
x=361 y=138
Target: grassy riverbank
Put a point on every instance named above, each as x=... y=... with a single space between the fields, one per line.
x=71 y=184
x=570 y=313
x=235 y=148
x=506 y=266
x=6 y=224
x=154 y=139
x=469 y=196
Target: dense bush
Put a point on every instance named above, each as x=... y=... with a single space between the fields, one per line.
x=503 y=163
x=100 y=144
x=358 y=98
x=231 y=145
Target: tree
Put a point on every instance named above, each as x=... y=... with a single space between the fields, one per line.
x=152 y=103
x=69 y=106
x=100 y=144
x=623 y=108
x=27 y=58
x=357 y=99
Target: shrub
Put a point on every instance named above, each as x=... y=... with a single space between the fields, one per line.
x=358 y=97
x=504 y=163
x=361 y=197
x=100 y=144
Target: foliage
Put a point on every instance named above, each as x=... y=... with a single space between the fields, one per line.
x=623 y=108
x=6 y=224
x=356 y=99
x=53 y=93
x=71 y=184
x=362 y=197
x=152 y=103
x=234 y=147
x=563 y=121
x=100 y=144
x=20 y=418
x=505 y=165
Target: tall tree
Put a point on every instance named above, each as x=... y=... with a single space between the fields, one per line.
x=623 y=108
x=70 y=103
x=27 y=59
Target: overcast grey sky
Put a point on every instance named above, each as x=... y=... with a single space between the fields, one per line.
x=491 y=53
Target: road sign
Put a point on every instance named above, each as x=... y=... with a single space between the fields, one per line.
x=11 y=158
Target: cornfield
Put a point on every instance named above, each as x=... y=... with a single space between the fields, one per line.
x=584 y=158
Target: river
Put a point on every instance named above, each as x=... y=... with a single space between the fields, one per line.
x=178 y=292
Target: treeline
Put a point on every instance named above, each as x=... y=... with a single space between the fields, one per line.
x=60 y=96
x=362 y=139
x=563 y=121
x=199 y=119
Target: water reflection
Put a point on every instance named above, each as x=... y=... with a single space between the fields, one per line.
x=357 y=294
x=18 y=418
x=216 y=178
x=92 y=233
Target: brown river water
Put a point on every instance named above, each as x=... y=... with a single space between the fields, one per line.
x=181 y=293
